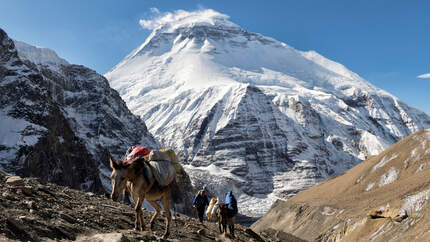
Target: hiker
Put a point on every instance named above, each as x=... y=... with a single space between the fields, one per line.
x=231 y=202
x=200 y=202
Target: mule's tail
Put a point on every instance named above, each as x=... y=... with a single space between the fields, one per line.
x=176 y=193
x=176 y=197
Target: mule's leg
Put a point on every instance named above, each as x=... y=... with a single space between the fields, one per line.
x=135 y=197
x=136 y=221
x=134 y=194
x=141 y=220
x=138 y=224
x=157 y=208
x=166 y=205
x=219 y=216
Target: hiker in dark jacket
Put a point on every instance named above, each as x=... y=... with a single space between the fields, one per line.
x=231 y=202
x=200 y=202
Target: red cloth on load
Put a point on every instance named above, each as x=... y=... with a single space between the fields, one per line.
x=138 y=151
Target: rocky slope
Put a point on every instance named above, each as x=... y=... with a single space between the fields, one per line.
x=31 y=210
x=252 y=114
x=384 y=198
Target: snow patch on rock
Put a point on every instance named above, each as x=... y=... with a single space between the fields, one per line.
x=422 y=167
x=384 y=161
x=372 y=144
x=390 y=176
x=415 y=153
x=15 y=133
x=415 y=203
x=328 y=211
x=370 y=186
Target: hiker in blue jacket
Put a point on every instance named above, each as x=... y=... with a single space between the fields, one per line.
x=231 y=202
x=200 y=202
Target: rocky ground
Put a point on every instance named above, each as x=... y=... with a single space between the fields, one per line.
x=31 y=210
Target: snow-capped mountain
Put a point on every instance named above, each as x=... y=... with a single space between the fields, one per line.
x=252 y=114
x=61 y=121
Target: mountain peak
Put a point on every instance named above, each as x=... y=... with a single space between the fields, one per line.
x=169 y=22
x=181 y=41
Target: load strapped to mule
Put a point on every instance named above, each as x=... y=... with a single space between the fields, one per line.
x=164 y=162
x=211 y=210
x=136 y=151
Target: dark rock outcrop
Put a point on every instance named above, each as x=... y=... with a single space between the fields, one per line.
x=39 y=140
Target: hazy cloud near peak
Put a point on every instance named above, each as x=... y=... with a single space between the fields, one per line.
x=423 y=76
x=177 y=17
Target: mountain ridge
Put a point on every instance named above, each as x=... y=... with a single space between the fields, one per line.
x=38 y=55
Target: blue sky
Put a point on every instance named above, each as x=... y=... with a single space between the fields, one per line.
x=386 y=42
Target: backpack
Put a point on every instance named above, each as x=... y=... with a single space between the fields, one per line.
x=231 y=202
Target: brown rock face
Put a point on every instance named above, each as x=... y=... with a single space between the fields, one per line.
x=384 y=198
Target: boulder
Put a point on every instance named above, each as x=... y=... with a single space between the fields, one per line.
x=27 y=190
x=201 y=232
x=15 y=181
x=402 y=215
x=254 y=235
x=108 y=237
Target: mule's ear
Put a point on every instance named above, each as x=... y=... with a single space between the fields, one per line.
x=113 y=164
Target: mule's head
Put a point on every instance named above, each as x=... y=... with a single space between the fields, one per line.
x=118 y=178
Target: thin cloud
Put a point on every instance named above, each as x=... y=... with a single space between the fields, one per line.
x=201 y=7
x=154 y=10
x=423 y=76
x=159 y=19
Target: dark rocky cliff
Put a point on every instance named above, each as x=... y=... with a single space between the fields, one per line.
x=46 y=147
